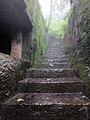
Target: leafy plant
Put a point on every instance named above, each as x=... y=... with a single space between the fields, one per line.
x=59 y=27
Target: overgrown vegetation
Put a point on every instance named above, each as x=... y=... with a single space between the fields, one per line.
x=38 y=43
x=84 y=40
x=58 y=28
x=77 y=43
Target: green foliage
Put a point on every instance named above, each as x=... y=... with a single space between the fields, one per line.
x=82 y=71
x=38 y=43
x=79 y=51
x=59 y=27
x=84 y=40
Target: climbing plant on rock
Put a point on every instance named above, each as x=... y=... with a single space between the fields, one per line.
x=84 y=40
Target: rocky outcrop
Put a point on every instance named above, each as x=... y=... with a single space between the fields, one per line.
x=20 y=16
x=11 y=71
x=77 y=41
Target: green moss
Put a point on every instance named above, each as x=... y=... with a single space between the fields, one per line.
x=82 y=71
x=78 y=48
x=38 y=37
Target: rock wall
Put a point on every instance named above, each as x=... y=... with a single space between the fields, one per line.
x=38 y=42
x=11 y=71
x=77 y=41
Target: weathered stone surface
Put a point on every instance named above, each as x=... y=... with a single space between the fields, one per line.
x=72 y=105
x=77 y=41
x=51 y=73
x=46 y=107
x=49 y=99
x=11 y=71
x=57 y=56
x=54 y=61
x=54 y=65
x=54 y=51
x=51 y=85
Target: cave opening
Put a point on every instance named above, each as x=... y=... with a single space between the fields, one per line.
x=5 y=42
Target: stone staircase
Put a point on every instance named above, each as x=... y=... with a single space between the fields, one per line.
x=50 y=92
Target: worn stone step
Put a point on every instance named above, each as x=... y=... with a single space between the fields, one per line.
x=54 y=65
x=50 y=85
x=55 y=48
x=58 y=47
x=55 y=57
x=50 y=73
x=50 y=61
x=60 y=53
x=53 y=52
x=55 y=60
x=46 y=106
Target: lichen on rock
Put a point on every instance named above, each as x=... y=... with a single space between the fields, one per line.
x=77 y=41
x=11 y=71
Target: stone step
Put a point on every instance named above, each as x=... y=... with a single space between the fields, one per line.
x=46 y=106
x=54 y=57
x=53 y=50
x=51 y=54
x=54 y=65
x=52 y=46
x=50 y=73
x=58 y=56
x=50 y=85
x=58 y=47
x=55 y=60
x=50 y=61
x=59 y=52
